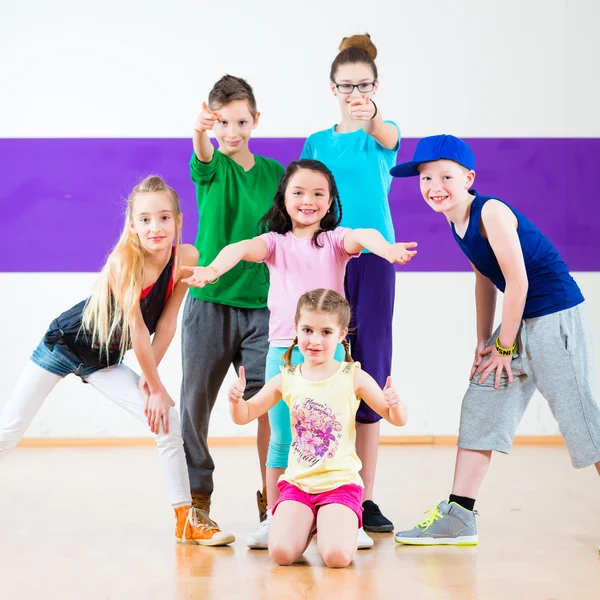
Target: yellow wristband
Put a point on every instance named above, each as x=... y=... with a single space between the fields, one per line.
x=217 y=279
x=504 y=351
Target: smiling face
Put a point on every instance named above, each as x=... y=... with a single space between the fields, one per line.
x=235 y=127
x=353 y=74
x=307 y=198
x=444 y=184
x=319 y=333
x=154 y=220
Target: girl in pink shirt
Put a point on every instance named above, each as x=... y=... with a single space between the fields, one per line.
x=304 y=249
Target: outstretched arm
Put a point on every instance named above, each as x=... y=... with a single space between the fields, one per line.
x=202 y=146
x=244 y=412
x=254 y=250
x=386 y=402
x=363 y=109
x=356 y=240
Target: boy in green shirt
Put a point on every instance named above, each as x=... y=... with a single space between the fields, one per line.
x=228 y=322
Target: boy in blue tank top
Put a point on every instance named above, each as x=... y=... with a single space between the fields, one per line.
x=542 y=343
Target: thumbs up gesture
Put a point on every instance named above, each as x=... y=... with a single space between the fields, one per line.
x=207 y=118
x=390 y=394
x=236 y=391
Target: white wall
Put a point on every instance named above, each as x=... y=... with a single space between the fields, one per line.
x=140 y=68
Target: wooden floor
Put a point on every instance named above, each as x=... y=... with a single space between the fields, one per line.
x=91 y=524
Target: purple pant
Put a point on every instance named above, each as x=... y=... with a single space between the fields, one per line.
x=370 y=290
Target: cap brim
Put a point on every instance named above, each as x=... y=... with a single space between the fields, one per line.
x=407 y=169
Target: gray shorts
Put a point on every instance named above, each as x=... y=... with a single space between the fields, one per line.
x=554 y=356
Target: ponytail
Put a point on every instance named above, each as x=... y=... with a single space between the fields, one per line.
x=287 y=356
x=348 y=357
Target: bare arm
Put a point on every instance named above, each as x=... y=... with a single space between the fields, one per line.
x=485 y=303
x=167 y=324
x=385 y=134
x=500 y=226
x=203 y=147
x=356 y=240
x=386 y=402
x=243 y=412
x=254 y=250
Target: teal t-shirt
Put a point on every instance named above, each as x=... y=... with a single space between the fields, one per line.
x=361 y=167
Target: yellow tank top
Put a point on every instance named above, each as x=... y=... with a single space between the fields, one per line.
x=322 y=415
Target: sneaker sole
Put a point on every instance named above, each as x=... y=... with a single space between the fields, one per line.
x=379 y=529
x=467 y=540
x=257 y=546
x=223 y=541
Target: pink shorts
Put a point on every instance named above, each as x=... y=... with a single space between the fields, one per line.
x=349 y=495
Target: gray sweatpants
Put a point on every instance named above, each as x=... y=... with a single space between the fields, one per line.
x=553 y=355
x=214 y=336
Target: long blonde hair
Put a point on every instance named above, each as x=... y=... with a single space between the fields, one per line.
x=110 y=321
x=323 y=301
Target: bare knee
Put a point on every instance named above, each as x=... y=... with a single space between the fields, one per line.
x=282 y=555
x=337 y=557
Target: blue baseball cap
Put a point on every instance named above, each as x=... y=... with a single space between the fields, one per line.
x=436 y=147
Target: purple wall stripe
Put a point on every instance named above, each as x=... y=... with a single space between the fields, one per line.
x=62 y=206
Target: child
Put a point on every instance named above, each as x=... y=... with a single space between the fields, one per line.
x=360 y=150
x=321 y=490
x=234 y=189
x=543 y=342
x=304 y=249
x=138 y=294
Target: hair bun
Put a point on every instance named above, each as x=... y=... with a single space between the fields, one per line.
x=362 y=41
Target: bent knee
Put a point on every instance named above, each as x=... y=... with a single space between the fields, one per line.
x=282 y=555
x=338 y=557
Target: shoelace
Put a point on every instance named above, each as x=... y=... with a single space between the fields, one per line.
x=200 y=520
x=434 y=516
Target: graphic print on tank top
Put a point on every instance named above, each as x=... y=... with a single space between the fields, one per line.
x=318 y=432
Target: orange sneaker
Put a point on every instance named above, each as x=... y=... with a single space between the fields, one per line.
x=193 y=526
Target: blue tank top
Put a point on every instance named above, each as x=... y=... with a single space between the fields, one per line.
x=551 y=287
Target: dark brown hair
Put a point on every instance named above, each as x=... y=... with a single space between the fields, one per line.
x=355 y=49
x=278 y=219
x=229 y=89
x=323 y=301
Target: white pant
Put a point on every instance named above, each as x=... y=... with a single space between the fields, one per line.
x=119 y=384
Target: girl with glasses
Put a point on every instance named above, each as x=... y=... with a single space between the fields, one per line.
x=360 y=150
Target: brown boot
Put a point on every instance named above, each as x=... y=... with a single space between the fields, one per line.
x=261 y=501
x=201 y=501
x=194 y=527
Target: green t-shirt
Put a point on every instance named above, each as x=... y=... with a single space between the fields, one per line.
x=231 y=203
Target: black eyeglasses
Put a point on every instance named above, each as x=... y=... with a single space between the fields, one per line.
x=348 y=88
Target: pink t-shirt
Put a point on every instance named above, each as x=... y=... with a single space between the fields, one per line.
x=296 y=266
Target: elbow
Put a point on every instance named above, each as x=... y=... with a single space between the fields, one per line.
x=401 y=417
x=518 y=288
x=238 y=419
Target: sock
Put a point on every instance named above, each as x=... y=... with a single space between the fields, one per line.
x=467 y=503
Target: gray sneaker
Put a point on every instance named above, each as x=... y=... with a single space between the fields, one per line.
x=447 y=524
